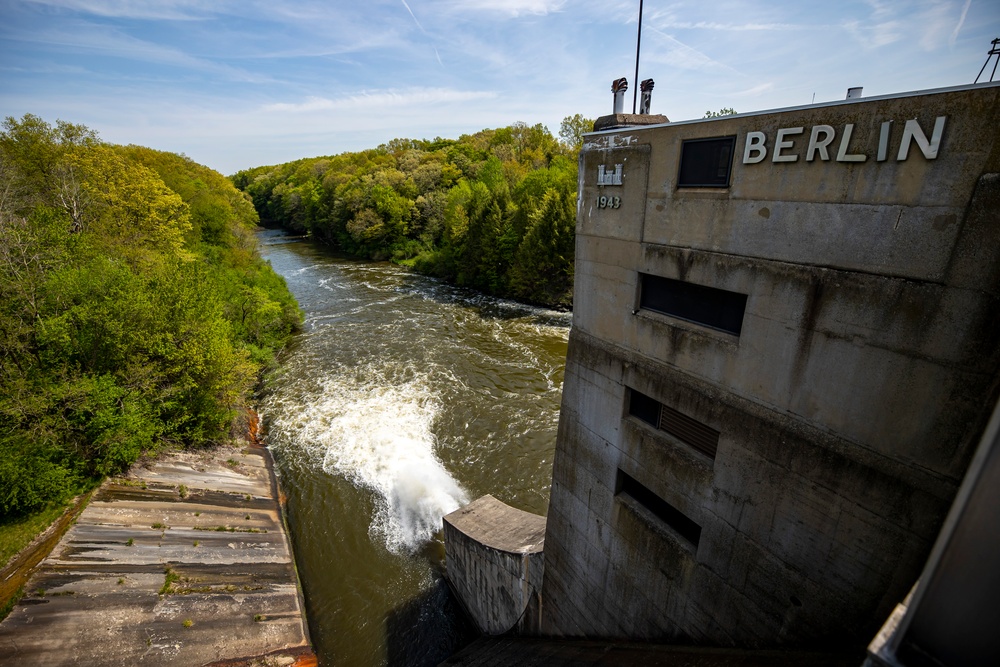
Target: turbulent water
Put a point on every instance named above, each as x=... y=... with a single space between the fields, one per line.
x=403 y=399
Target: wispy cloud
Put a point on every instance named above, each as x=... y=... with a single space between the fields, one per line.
x=678 y=54
x=755 y=91
x=85 y=37
x=240 y=82
x=873 y=36
x=382 y=99
x=511 y=8
x=733 y=27
x=172 y=10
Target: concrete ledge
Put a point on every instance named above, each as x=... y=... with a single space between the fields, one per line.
x=493 y=555
x=618 y=120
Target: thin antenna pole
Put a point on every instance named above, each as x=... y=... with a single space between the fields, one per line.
x=638 y=41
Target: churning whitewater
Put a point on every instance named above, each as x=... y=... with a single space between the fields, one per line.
x=373 y=425
x=402 y=399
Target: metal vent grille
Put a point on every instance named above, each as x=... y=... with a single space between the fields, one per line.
x=688 y=430
x=703 y=438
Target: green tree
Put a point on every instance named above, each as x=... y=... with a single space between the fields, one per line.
x=124 y=327
x=724 y=111
x=543 y=267
x=458 y=209
x=572 y=129
x=130 y=205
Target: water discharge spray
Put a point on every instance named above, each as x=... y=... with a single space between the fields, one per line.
x=374 y=426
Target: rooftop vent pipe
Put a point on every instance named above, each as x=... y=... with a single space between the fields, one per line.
x=647 y=93
x=854 y=93
x=618 y=88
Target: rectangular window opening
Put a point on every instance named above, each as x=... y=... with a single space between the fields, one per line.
x=688 y=430
x=708 y=306
x=706 y=163
x=676 y=520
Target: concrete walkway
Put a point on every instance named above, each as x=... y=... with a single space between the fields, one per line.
x=506 y=651
x=183 y=562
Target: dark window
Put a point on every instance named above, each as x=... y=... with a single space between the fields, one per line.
x=663 y=510
x=706 y=162
x=715 y=308
x=688 y=430
x=645 y=408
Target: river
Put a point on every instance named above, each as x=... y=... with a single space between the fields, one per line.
x=403 y=399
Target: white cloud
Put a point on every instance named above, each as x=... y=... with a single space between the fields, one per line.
x=511 y=8
x=174 y=10
x=755 y=91
x=675 y=53
x=86 y=37
x=876 y=35
x=732 y=27
x=426 y=98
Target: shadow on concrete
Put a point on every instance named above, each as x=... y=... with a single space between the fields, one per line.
x=427 y=629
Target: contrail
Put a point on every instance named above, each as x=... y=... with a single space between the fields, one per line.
x=414 y=16
x=961 y=20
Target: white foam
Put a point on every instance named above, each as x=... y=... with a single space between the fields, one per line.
x=375 y=428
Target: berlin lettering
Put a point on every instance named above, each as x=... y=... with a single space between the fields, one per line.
x=823 y=143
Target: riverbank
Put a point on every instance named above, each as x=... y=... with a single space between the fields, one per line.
x=185 y=560
x=47 y=528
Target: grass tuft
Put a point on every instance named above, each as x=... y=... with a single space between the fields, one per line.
x=169 y=578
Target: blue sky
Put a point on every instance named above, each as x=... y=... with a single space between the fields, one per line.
x=235 y=84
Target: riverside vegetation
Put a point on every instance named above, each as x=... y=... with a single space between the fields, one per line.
x=494 y=210
x=135 y=312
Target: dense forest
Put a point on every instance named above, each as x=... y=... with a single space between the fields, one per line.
x=135 y=312
x=494 y=210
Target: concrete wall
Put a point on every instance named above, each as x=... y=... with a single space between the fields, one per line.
x=493 y=556
x=951 y=617
x=847 y=407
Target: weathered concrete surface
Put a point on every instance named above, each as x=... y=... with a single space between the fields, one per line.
x=506 y=651
x=185 y=561
x=493 y=555
x=618 y=120
x=848 y=406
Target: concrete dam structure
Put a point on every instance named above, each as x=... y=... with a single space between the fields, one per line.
x=785 y=350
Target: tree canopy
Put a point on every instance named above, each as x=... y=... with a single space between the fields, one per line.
x=135 y=312
x=494 y=210
x=572 y=129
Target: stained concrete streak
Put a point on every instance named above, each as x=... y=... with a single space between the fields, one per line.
x=184 y=561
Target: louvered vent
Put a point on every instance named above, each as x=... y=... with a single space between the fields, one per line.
x=688 y=430
x=703 y=438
